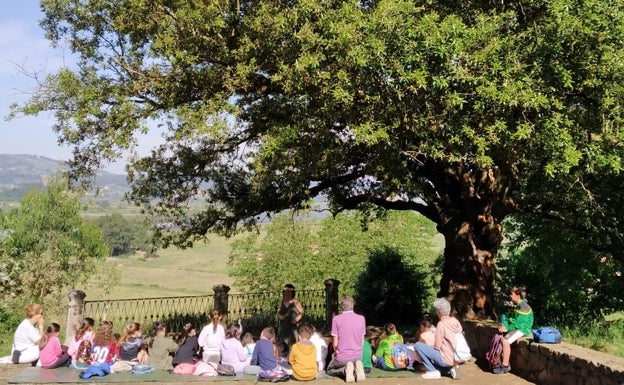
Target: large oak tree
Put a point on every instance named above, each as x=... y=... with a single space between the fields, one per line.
x=463 y=111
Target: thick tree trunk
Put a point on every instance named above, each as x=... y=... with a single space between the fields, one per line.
x=472 y=243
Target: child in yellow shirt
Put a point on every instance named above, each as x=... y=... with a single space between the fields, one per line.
x=302 y=356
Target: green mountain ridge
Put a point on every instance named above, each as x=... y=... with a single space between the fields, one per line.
x=22 y=172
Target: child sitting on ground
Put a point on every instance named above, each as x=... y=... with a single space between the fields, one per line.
x=104 y=349
x=425 y=335
x=302 y=356
x=249 y=344
x=383 y=354
x=188 y=348
x=263 y=357
x=232 y=351
x=321 y=348
x=371 y=339
x=130 y=343
x=84 y=333
x=161 y=348
x=52 y=354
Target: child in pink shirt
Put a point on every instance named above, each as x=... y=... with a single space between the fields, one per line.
x=52 y=354
x=84 y=333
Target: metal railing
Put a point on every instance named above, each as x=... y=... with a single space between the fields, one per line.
x=255 y=310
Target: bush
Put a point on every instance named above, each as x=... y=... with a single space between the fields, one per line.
x=567 y=281
x=391 y=289
x=11 y=314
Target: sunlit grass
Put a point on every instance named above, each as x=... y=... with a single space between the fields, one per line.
x=605 y=336
x=175 y=272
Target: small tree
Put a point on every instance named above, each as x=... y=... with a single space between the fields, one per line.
x=45 y=246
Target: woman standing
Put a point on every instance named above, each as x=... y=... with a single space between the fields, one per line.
x=289 y=313
x=25 y=348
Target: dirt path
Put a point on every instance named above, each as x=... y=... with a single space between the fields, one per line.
x=471 y=374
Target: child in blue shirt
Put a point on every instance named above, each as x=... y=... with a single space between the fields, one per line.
x=263 y=357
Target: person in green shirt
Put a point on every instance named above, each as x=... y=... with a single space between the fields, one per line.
x=516 y=327
x=367 y=350
x=383 y=354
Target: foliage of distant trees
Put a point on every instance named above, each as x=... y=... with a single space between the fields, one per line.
x=388 y=266
x=125 y=236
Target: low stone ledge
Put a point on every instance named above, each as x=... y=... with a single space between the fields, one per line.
x=551 y=364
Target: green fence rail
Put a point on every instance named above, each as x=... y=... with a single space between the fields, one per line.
x=255 y=310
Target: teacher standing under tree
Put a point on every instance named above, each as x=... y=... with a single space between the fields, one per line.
x=290 y=313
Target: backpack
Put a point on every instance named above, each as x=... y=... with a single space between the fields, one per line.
x=400 y=356
x=273 y=376
x=494 y=356
x=226 y=370
x=547 y=335
x=83 y=354
x=461 y=348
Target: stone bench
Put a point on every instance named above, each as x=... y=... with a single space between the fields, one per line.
x=551 y=364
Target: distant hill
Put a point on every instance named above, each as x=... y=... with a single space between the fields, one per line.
x=21 y=173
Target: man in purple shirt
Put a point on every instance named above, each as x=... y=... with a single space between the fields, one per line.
x=348 y=331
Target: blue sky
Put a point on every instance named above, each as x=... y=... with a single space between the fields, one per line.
x=22 y=44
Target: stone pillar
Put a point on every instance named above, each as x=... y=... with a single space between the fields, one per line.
x=221 y=298
x=75 y=310
x=331 y=300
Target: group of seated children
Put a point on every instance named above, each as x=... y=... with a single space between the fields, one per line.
x=214 y=344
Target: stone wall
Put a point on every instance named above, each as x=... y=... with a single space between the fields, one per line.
x=550 y=364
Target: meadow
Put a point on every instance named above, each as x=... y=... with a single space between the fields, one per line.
x=175 y=272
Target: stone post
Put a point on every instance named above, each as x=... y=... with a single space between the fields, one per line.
x=221 y=298
x=75 y=310
x=331 y=300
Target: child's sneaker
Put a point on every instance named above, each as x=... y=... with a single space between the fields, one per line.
x=349 y=372
x=431 y=375
x=502 y=369
x=454 y=372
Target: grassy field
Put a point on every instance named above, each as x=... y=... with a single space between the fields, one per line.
x=175 y=272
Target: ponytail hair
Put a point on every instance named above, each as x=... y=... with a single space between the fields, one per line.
x=233 y=331
x=186 y=330
x=157 y=327
x=128 y=332
x=52 y=328
x=85 y=326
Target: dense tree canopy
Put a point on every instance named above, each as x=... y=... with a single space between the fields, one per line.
x=463 y=111
x=46 y=248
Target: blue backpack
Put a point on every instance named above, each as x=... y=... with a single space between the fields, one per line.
x=547 y=335
x=400 y=356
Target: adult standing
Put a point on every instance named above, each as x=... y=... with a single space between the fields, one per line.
x=348 y=329
x=210 y=338
x=441 y=356
x=289 y=313
x=25 y=347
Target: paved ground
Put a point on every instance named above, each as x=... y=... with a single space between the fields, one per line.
x=471 y=374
